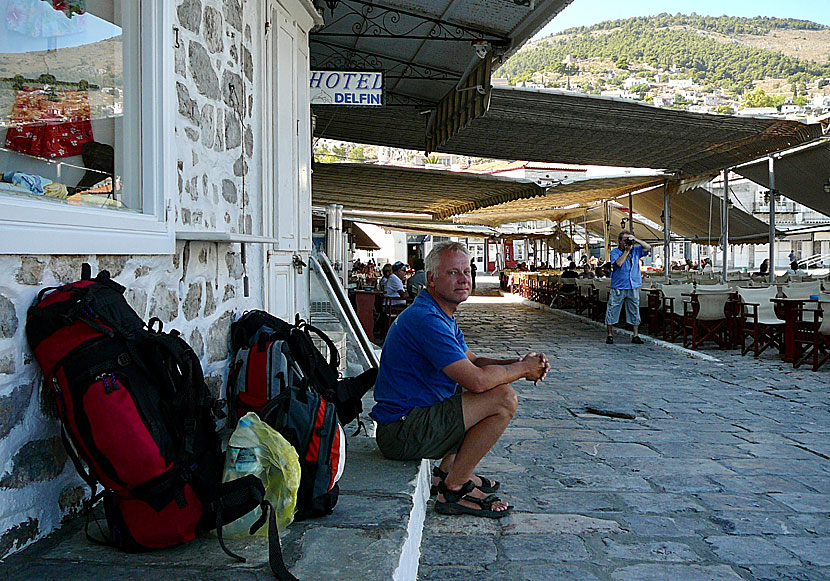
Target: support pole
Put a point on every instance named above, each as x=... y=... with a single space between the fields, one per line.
x=585 y=232
x=725 y=224
x=630 y=213
x=571 y=222
x=331 y=233
x=771 y=219
x=606 y=230
x=666 y=235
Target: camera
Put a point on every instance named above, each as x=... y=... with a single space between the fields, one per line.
x=629 y=242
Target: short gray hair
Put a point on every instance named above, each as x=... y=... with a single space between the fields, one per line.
x=623 y=233
x=434 y=257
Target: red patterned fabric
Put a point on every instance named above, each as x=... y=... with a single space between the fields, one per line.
x=49 y=123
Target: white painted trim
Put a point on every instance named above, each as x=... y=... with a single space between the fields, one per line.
x=229 y=237
x=304 y=12
x=47 y=227
x=407 y=569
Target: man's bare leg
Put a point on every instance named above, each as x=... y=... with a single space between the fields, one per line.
x=486 y=415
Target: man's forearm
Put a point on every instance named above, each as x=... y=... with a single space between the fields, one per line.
x=646 y=246
x=494 y=375
x=622 y=258
x=484 y=361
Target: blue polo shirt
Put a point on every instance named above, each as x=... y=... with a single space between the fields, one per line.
x=628 y=275
x=422 y=341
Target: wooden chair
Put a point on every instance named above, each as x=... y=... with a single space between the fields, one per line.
x=704 y=319
x=654 y=302
x=603 y=290
x=672 y=309
x=567 y=294
x=816 y=344
x=759 y=321
x=585 y=294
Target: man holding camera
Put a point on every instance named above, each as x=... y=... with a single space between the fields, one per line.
x=625 y=283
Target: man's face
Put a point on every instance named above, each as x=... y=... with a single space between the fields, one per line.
x=624 y=239
x=400 y=273
x=452 y=279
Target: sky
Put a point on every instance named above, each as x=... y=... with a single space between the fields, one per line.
x=588 y=12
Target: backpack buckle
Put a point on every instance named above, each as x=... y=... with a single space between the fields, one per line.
x=124 y=359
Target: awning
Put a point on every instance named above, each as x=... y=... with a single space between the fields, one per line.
x=398 y=189
x=423 y=47
x=362 y=240
x=552 y=206
x=547 y=126
x=641 y=230
x=435 y=229
x=696 y=216
x=799 y=175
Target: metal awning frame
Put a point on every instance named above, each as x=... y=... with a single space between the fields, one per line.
x=377 y=21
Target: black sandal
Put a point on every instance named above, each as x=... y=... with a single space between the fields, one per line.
x=451 y=505
x=488 y=486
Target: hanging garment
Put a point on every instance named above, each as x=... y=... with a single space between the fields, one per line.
x=47 y=123
x=46 y=18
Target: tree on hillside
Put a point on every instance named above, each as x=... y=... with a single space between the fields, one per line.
x=759 y=98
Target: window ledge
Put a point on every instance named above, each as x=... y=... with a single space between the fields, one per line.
x=226 y=237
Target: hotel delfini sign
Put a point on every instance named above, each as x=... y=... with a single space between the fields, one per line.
x=356 y=88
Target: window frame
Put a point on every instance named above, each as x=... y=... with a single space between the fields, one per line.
x=44 y=227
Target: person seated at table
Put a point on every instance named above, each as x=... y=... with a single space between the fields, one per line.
x=417 y=281
x=794 y=270
x=763 y=270
x=569 y=273
x=707 y=265
x=394 y=291
x=587 y=272
x=387 y=272
x=437 y=399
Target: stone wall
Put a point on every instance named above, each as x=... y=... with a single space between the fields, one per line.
x=197 y=290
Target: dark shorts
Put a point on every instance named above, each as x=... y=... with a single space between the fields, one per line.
x=432 y=432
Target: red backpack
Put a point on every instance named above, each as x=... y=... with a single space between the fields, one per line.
x=134 y=407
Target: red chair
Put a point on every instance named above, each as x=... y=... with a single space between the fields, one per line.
x=672 y=309
x=759 y=321
x=816 y=344
x=704 y=319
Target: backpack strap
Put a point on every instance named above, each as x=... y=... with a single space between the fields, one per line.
x=236 y=498
x=94 y=495
x=334 y=355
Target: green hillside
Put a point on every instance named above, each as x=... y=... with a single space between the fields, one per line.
x=704 y=49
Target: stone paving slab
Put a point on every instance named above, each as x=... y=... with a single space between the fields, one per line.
x=723 y=473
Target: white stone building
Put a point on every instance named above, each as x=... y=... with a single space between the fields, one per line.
x=212 y=150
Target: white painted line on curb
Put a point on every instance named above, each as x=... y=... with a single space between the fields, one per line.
x=411 y=552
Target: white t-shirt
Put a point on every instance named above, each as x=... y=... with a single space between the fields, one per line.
x=393 y=285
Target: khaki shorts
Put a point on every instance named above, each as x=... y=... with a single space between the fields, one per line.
x=432 y=432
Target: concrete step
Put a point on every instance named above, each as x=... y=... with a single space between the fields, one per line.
x=373 y=533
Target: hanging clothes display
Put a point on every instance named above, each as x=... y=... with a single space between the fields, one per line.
x=49 y=123
x=46 y=18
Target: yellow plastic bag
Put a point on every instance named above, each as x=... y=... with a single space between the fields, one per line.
x=257 y=448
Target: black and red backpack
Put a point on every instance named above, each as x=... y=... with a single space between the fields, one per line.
x=135 y=410
x=271 y=354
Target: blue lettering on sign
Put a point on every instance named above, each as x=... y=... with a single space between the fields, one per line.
x=359 y=99
x=316 y=77
x=335 y=77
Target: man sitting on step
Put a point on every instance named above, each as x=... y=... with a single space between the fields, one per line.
x=437 y=399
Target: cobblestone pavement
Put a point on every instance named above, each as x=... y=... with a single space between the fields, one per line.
x=723 y=473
